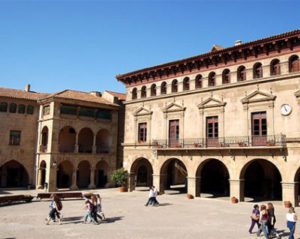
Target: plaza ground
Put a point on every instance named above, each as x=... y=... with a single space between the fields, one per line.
x=127 y=217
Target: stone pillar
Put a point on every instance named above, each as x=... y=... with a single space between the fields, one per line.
x=237 y=189
x=51 y=173
x=76 y=143
x=92 y=178
x=290 y=192
x=39 y=184
x=193 y=186
x=284 y=67
x=266 y=71
x=179 y=86
x=94 y=150
x=158 y=182
x=74 y=180
x=131 y=182
x=192 y=84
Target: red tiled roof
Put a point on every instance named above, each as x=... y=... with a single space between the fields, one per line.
x=80 y=96
x=120 y=96
x=21 y=94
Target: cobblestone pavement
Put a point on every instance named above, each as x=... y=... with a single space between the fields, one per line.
x=127 y=217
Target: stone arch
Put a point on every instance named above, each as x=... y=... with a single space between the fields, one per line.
x=226 y=76
x=212 y=79
x=153 y=90
x=67 y=139
x=173 y=174
x=141 y=172
x=257 y=70
x=102 y=174
x=85 y=140
x=198 y=82
x=163 y=88
x=42 y=174
x=64 y=174
x=275 y=67
x=174 y=85
x=213 y=178
x=241 y=73
x=143 y=92
x=294 y=63
x=13 y=174
x=262 y=180
x=186 y=83
x=103 y=141
x=83 y=174
x=134 y=94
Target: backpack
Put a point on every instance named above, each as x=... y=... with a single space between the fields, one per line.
x=59 y=205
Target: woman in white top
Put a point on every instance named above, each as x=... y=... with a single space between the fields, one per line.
x=291 y=219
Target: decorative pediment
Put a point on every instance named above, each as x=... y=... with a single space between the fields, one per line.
x=173 y=107
x=211 y=103
x=142 y=111
x=258 y=96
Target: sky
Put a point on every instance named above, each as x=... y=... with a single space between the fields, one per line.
x=83 y=45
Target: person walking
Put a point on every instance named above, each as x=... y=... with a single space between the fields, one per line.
x=151 y=197
x=271 y=220
x=155 y=193
x=99 y=207
x=264 y=220
x=254 y=218
x=89 y=210
x=55 y=208
x=291 y=219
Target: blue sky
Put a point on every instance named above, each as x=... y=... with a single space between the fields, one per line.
x=82 y=45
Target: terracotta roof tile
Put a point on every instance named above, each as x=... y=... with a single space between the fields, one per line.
x=120 y=96
x=21 y=94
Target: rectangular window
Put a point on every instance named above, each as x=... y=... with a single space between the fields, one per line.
x=103 y=114
x=259 y=128
x=46 y=109
x=142 y=137
x=15 y=137
x=68 y=109
x=174 y=133
x=212 y=131
x=21 y=109
x=89 y=112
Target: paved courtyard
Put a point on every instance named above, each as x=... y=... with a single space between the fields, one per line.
x=127 y=217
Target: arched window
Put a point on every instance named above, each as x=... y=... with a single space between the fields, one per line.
x=3 y=107
x=85 y=141
x=103 y=141
x=212 y=79
x=275 y=67
x=198 y=82
x=226 y=76
x=67 y=140
x=174 y=86
x=186 y=83
x=294 y=64
x=241 y=73
x=257 y=70
x=21 y=109
x=30 y=109
x=44 y=143
x=153 y=90
x=12 y=108
x=134 y=94
x=143 y=92
x=163 y=88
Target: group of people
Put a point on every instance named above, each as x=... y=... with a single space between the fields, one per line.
x=265 y=219
x=152 y=197
x=93 y=206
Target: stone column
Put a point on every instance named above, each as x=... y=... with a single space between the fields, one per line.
x=76 y=143
x=74 y=180
x=193 y=186
x=51 y=173
x=92 y=178
x=94 y=149
x=131 y=182
x=237 y=188
x=290 y=192
x=158 y=182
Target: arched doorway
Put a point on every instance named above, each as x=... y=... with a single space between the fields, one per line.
x=213 y=178
x=101 y=175
x=103 y=141
x=67 y=140
x=297 y=187
x=44 y=143
x=85 y=141
x=42 y=176
x=262 y=180
x=64 y=175
x=141 y=173
x=173 y=175
x=83 y=174
x=13 y=174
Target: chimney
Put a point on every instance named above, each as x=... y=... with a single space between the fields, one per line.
x=27 y=87
x=238 y=42
x=95 y=93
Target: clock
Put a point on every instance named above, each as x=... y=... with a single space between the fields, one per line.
x=286 y=109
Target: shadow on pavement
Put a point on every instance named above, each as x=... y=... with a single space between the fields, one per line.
x=112 y=219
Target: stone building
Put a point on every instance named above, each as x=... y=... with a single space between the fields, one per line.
x=224 y=123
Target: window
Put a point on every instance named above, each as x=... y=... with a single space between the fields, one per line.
x=30 y=109
x=212 y=131
x=15 y=137
x=142 y=137
x=275 y=67
x=174 y=133
x=186 y=83
x=3 y=107
x=294 y=64
x=212 y=79
x=88 y=112
x=259 y=128
x=257 y=71
x=134 y=94
x=198 y=82
x=143 y=92
x=21 y=109
x=103 y=114
x=226 y=76
x=153 y=90
x=174 y=86
x=241 y=73
x=46 y=109
x=12 y=108
x=163 y=88
x=68 y=109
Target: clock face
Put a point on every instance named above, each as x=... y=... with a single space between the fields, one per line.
x=286 y=109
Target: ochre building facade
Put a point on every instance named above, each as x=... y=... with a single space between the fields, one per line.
x=224 y=123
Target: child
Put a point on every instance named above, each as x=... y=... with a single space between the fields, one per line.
x=89 y=209
x=56 y=207
x=254 y=218
x=99 y=207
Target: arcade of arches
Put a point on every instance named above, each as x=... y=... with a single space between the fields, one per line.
x=13 y=174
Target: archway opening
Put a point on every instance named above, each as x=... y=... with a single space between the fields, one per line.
x=13 y=174
x=103 y=141
x=297 y=187
x=64 y=175
x=43 y=167
x=44 y=143
x=85 y=141
x=83 y=174
x=101 y=174
x=141 y=171
x=174 y=177
x=214 y=179
x=67 y=140
x=262 y=180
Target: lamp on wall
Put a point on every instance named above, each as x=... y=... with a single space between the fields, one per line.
x=53 y=164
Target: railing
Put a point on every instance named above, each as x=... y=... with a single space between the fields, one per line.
x=242 y=141
x=43 y=148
